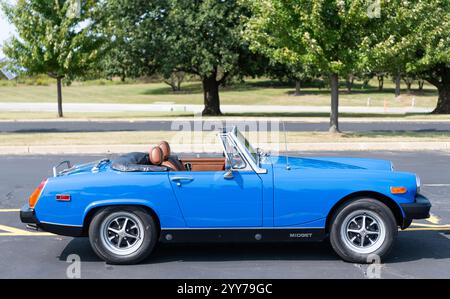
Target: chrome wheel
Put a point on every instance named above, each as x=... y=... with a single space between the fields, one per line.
x=122 y=233
x=363 y=231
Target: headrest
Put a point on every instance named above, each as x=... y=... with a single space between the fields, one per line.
x=165 y=147
x=156 y=155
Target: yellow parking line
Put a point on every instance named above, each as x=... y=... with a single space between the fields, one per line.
x=11 y=229
x=13 y=232
x=39 y=234
x=438 y=228
x=430 y=225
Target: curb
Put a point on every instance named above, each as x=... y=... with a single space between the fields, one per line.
x=286 y=119
x=319 y=146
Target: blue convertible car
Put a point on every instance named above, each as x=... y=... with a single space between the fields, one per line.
x=127 y=205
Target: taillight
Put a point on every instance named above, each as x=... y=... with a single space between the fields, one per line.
x=36 y=194
x=63 y=197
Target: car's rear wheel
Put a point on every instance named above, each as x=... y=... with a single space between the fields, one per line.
x=363 y=229
x=123 y=235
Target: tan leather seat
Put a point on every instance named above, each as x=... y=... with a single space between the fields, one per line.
x=170 y=161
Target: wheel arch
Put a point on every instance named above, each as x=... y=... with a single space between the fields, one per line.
x=389 y=202
x=91 y=212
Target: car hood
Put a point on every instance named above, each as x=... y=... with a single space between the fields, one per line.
x=332 y=163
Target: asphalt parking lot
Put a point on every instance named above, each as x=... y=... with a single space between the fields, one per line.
x=168 y=125
x=420 y=252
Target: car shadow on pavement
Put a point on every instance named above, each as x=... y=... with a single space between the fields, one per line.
x=410 y=246
x=215 y=252
x=417 y=245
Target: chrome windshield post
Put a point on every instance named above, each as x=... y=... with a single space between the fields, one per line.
x=232 y=134
x=55 y=168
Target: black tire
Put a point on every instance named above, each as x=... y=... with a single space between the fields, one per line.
x=143 y=247
x=340 y=237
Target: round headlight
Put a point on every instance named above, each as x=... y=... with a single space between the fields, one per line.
x=418 y=183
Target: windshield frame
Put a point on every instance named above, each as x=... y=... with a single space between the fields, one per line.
x=252 y=152
x=254 y=163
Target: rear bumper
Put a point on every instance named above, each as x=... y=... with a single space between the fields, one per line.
x=419 y=209
x=28 y=216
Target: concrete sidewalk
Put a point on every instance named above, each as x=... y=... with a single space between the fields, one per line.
x=88 y=107
x=186 y=148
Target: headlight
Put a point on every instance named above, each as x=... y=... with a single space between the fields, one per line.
x=418 y=183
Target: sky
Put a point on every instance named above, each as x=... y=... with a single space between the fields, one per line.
x=6 y=31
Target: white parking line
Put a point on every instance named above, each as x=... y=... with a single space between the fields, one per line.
x=436 y=185
x=433 y=219
x=445 y=235
x=9 y=210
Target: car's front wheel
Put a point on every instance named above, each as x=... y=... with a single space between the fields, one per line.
x=363 y=230
x=122 y=235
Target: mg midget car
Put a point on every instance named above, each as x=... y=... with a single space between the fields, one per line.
x=129 y=204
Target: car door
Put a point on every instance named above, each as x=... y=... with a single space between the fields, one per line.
x=228 y=198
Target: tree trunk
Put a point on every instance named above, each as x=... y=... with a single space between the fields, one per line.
x=380 y=82
x=59 y=87
x=408 y=87
x=349 y=83
x=421 y=83
x=334 y=116
x=211 y=96
x=443 y=104
x=365 y=84
x=397 y=85
x=408 y=82
x=297 y=87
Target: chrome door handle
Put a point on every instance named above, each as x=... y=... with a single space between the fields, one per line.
x=178 y=179
x=182 y=178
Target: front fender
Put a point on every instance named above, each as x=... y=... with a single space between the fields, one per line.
x=304 y=195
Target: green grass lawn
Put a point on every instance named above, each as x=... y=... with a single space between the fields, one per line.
x=142 y=137
x=141 y=116
x=254 y=92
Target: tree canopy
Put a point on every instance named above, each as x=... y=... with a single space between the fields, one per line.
x=57 y=38
x=201 y=37
x=221 y=39
x=322 y=36
x=415 y=38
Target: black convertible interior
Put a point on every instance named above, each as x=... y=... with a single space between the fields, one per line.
x=160 y=158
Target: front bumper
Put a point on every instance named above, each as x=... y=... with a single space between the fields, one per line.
x=419 y=209
x=28 y=216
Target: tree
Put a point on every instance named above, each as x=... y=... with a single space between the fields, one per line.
x=175 y=80
x=286 y=73
x=204 y=38
x=134 y=30
x=380 y=78
x=416 y=37
x=54 y=37
x=200 y=37
x=323 y=36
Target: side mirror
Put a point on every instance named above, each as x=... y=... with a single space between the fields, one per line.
x=228 y=175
